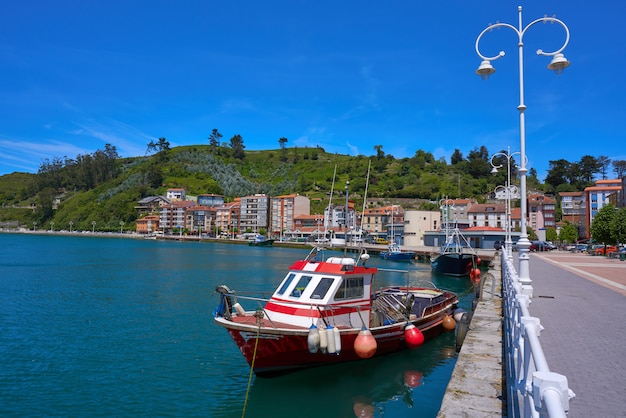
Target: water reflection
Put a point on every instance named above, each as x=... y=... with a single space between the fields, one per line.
x=407 y=381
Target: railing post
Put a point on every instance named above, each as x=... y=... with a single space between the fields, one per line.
x=551 y=394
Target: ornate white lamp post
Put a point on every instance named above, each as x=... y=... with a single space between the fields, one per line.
x=558 y=64
x=511 y=191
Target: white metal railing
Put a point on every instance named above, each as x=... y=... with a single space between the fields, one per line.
x=532 y=389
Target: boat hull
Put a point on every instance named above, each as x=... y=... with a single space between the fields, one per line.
x=454 y=264
x=272 y=350
x=266 y=243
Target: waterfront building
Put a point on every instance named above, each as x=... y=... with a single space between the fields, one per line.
x=254 y=213
x=172 y=216
x=573 y=210
x=227 y=218
x=199 y=219
x=284 y=210
x=147 y=224
x=487 y=215
x=374 y=220
x=416 y=223
x=541 y=212
x=600 y=195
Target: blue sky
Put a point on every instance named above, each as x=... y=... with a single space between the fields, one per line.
x=344 y=75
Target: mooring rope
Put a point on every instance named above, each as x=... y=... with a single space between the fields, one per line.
x=259 y=315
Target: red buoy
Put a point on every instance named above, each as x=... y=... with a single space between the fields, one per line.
x=413 y=336
x=365 y=344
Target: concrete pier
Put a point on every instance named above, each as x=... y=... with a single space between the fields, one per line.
x=477 y=385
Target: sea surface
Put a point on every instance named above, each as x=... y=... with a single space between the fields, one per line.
x=118 y=327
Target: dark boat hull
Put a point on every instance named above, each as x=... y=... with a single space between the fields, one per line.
x=454 y=264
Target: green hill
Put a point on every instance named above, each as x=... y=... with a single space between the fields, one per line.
x=104 y=188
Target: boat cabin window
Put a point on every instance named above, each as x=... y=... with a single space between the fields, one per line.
x=322 y=288
x=351 y=288
x=286 y=284
x=300 y=286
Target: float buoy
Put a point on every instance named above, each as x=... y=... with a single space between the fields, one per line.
x=475 y=275
x=413 y=336
x=478 y=261
x=323 y=341
x=461 y=330
x=313 y=339
x=337 y=340
x=458 y=314
x=331 y=339
x=365 y=344
x=449 y=324
x=239 y=309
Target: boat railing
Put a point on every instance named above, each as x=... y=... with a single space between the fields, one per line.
x=532 y=389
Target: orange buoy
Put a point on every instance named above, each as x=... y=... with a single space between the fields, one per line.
x=478 y=261
x=413 y=336
x=448 y=323
x=365 y=344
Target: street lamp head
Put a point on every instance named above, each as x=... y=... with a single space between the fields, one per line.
x=485 y=69
x=558 y=64
x=494 y=171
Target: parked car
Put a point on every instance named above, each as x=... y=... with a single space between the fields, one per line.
x=604 y=250
x=541 y=246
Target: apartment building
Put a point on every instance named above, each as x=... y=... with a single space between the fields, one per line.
x=254 y=213
x=600 y=195
x=285 y=209
x=541 y=212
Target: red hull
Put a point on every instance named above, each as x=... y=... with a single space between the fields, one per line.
x=282 y=352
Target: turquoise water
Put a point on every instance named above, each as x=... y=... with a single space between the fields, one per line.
x=122 y=327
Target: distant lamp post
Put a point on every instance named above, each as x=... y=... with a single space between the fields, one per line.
x=71 y=223
x=510 y=190
x=34 y=226
x=558 y=64
x=93 y=227
x=51 y=226
x=121 y=227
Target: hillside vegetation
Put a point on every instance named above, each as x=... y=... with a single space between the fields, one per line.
x=104 y=188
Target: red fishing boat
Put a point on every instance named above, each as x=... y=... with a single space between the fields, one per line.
x=326 y=311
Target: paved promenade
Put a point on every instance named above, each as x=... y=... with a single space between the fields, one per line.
x=581 y=301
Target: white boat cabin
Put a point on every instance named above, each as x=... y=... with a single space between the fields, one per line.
x=336 y=292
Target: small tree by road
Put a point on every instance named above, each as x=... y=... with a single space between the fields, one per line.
x=603 y=224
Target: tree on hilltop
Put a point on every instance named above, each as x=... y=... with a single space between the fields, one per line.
x=282 y=141
x=236 y=144
x=214 y=140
